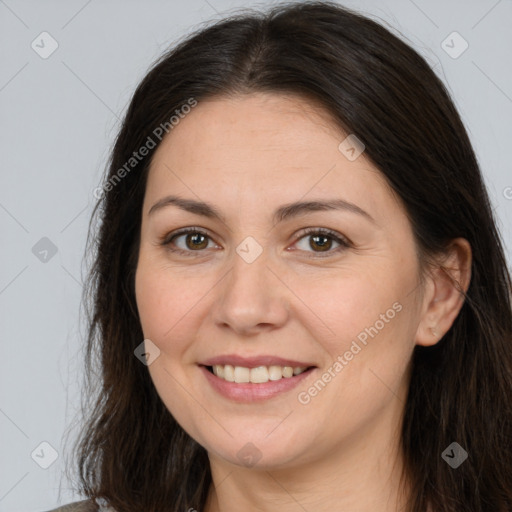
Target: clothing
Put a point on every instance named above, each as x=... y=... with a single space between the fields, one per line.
x=78 y=506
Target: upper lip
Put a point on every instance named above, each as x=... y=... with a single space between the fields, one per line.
x=253 y=362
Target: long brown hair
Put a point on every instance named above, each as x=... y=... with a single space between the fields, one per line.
x=131 y=451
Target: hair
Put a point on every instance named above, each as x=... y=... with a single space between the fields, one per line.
x=131 y=451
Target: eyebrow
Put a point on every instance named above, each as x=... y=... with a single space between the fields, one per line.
x=284 y=212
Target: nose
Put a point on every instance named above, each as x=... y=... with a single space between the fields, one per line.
x=251 y=298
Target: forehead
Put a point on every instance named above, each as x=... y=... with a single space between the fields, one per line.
x=250 y=123
x=263 y=149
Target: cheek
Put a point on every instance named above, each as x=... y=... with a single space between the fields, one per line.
x=164 y=301
x=366 y=327
x=348 y=306
x=363 y=326
x=154 y=302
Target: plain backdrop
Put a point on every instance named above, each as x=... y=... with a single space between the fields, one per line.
x=59 y=115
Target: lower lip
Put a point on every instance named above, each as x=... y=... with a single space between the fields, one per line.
x=249 y=392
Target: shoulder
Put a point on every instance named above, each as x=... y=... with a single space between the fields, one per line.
x=78 y=506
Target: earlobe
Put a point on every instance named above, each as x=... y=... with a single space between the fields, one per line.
x=449 y=282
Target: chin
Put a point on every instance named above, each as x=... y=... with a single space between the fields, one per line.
x=264 y=454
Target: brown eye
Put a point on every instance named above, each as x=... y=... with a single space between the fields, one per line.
x=322 y=242
x=196 y=241
x=187 y=241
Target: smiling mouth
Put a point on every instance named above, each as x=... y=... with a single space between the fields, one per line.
x=257 y=375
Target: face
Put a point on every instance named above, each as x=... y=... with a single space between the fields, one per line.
x=259 y=285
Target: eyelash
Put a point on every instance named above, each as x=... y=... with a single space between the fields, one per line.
x=343 y=243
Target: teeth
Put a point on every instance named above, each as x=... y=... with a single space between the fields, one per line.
x=259 y=375
x=218 y=369
x=287 y=371
x=275 y=372
x=242 y=374
x=229 y=373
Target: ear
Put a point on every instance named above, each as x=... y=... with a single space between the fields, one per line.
x=444 y=292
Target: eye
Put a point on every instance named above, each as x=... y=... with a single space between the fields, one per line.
x=193 y=240
x=320 y=240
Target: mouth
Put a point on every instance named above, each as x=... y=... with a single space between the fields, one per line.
x=256 y=375
x=254 y=379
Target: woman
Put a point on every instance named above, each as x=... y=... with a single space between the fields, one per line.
x=300 y=300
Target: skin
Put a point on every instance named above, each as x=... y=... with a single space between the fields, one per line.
x=247 y=155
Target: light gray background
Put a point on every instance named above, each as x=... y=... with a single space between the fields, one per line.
x=58 y=119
